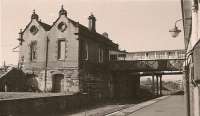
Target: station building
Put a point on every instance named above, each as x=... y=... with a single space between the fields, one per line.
x=62 y=51
x=67 y=56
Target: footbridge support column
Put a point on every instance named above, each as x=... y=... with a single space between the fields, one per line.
x=157 y=86
x=153 y=84
x=160 y=84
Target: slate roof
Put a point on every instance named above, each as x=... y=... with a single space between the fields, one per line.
x=83 y=30
x=3 y=73
x=46 y=27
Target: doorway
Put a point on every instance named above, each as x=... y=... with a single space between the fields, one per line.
x=56 y=82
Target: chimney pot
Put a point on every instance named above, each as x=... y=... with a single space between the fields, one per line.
x=92 y=23
x=105 y=34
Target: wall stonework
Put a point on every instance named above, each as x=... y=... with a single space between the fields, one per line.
x=97 y=84
x=67 y=66
x=126 y=86
x=71 y=41
x=28 y=37
x=69 y=84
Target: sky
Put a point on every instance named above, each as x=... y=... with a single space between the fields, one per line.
x=136 y=25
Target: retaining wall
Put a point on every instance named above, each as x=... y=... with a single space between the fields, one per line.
x=43 y=106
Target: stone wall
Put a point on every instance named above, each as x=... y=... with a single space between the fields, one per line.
x=44 y=106
x=69 y=83
x=102 y=83
x=126 y=86
x=97 y=82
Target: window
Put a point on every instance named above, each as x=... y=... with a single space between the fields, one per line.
x=34 y=30
x=113 y=57
x=33 y=46
x=100 y=55
x=61 y=49
x=84 y=50
x=147 y=54
x=62 y=26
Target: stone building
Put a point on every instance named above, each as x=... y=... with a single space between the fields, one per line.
x=191 y=26
x=67 y=56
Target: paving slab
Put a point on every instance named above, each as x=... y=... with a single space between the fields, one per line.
x=137 y=107
x=172 y=106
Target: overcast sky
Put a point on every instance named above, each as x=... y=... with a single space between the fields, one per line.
x=136 y=25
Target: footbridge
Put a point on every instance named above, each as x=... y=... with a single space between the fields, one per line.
x=147 y=63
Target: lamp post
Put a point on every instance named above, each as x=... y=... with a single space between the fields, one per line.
x=175 y=32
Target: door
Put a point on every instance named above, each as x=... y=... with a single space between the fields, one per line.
x=56 y=84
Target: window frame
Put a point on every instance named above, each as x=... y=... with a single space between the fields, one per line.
x=33 y=50
x=85 y=51
x=59 y=48
x=100 y=55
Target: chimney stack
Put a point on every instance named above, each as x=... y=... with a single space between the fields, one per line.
x=105 y=34
x=92 y=23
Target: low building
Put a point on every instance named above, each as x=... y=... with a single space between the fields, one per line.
x=13 y=80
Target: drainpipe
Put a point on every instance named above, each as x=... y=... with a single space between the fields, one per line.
x=46 y=63
x=187 y=89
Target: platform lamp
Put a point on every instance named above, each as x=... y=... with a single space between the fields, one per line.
x=174 y=33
